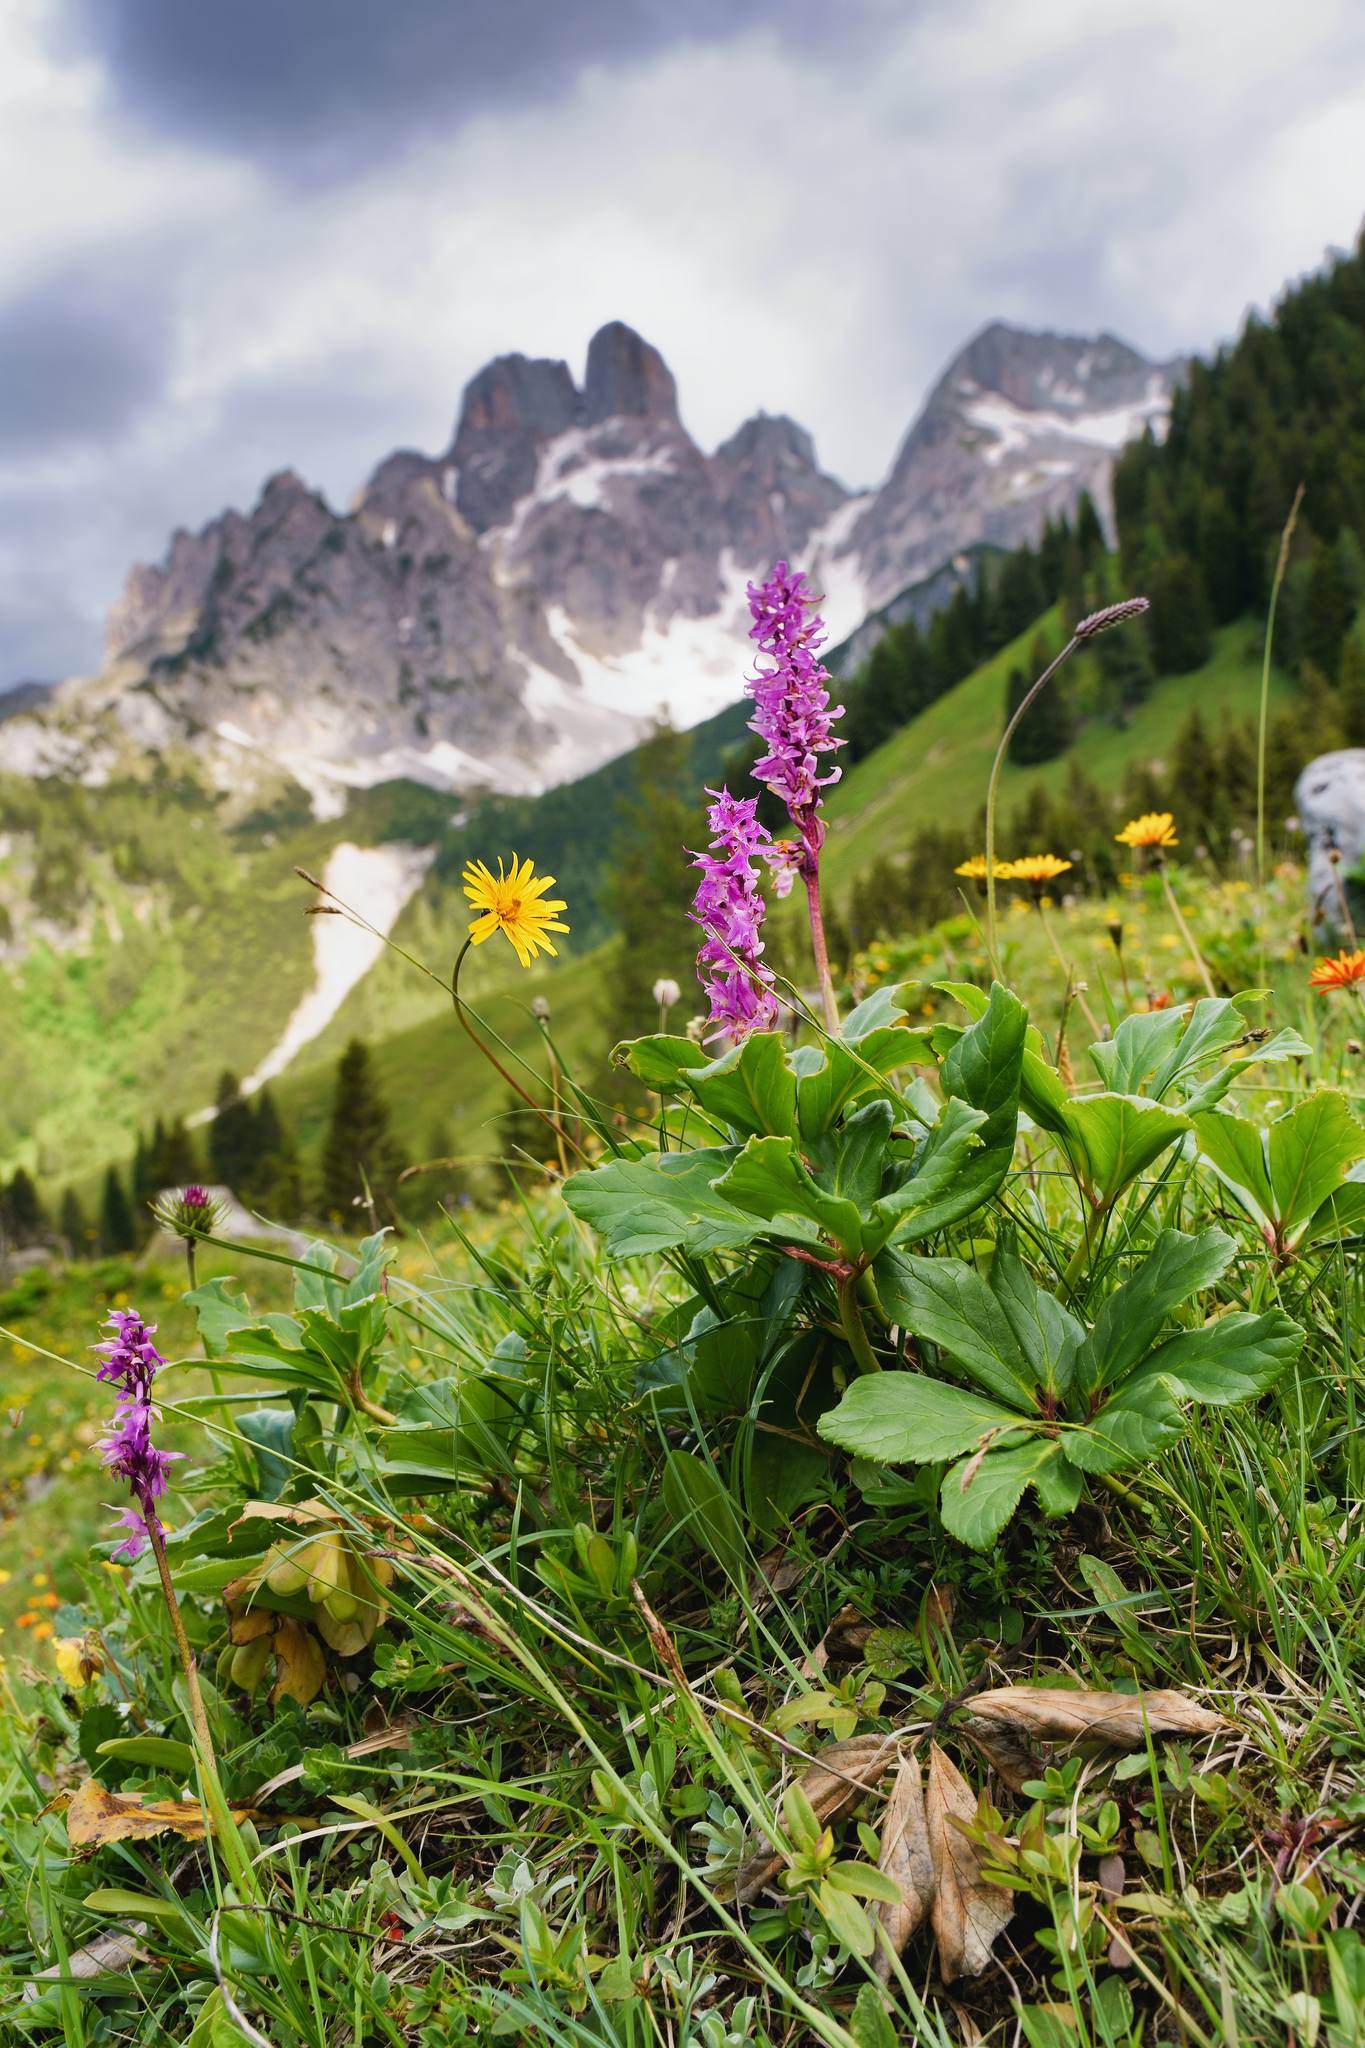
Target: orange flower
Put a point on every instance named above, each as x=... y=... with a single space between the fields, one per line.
x=1153 y=828
x=1035 y=867
x=1340 y=972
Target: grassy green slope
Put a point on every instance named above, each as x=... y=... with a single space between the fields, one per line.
x=935 y=769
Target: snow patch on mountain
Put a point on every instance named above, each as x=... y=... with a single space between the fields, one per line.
x=377 y=882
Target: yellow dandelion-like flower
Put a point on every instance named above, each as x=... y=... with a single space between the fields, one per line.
x=515 y=904
x=975 y=869
x=1035 y=867
x=1153 y=828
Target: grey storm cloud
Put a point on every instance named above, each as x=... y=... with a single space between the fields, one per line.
x=324 y=88
x=79 y=360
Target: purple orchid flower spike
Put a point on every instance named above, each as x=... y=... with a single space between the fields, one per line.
x=730 y=911
x=131 y=1363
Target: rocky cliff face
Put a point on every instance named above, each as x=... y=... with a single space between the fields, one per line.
x=513 y=610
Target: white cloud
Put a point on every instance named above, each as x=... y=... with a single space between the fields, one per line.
x=807 y=229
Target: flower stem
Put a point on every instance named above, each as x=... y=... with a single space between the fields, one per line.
x=546 y=1118
x=854 y=1329
x=1186 y=934
x=810 y=875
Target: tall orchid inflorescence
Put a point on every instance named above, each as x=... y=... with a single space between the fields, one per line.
x=792 y=716
x=729 y=909
x=131 y=1362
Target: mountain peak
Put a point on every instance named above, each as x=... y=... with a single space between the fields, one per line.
x=509 y=408
x=626 y=377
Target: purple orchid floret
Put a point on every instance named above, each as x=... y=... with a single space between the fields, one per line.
x=131 y=1363
x=792 y=714
x=729 y=908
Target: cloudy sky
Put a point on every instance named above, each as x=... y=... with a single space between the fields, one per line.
x=241 y=234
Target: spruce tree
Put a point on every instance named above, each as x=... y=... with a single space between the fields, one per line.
x=1181 y=634
x=179 y=1160
x=118 y=1228
x=1047 y=725
x=359 y=1150
x=232 y=1137
x=1351 y=692
x=71 y=1223
x=21 y=1211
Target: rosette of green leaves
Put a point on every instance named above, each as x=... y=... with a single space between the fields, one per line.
x=1029 y=1396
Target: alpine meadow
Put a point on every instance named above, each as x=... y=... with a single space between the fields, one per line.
x=682 y=1149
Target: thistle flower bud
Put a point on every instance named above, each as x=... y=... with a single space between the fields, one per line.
x=192 y=1213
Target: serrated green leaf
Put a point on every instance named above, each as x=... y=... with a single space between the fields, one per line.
x=1235 y=1149
x=1142 y=1044
x=1308 y=1153
x=903 y=1418
x=834 y=1075
x=1111 y=1139
x=752 y=1088
x=768 y=1181
x=660 y=1203
x=1048 y=1334
x=978 y=1497
x=937 y=1188
x=1134 y=1315
x=948 y=1302
x=985 y=1069
x=660 y=1061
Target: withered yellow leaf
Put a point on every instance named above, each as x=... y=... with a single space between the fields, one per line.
x=969 y=1913
x=97 y=1816
x=300 y=1666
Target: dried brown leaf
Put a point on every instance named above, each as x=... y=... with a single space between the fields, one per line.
x=299 y=1511
x=108 y=1954
x=253 y=1622
x=906 y=1858
x=969 y=1913
x=1120 y=1719
x=97 y=1816
x=840 y=1776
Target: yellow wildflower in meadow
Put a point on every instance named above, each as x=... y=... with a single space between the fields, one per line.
x=514 y=904
x=975 y=868
x=1153 y=828
x=1034 y=867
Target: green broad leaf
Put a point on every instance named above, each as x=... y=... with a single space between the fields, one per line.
x=1131 y=1428
x=699 y=1503
x=1308 y=1153
x=978 y=1497
x=1233 y=1358
x=868 y=2023
x=1141 y=1046
x=1111 y=1139
x=134 y=1905
x=985 y=1069
x=948 y=1302
x=902 y=1418
x=845 y=1918
x=883 y=1007
x=158 y=1752
x=271 y=1433
x=1341 y=1215
x=864 y=1881
x=662 y=1202
x=938 y=1188
x=768 y=1180
x=835 y=1075
x=1236 y=1151
x=1042 y=1092
x=852 y=1160
x=1134 y=1315
x=661 y=1062
x=218 y=1311
x=1285 y=1045
x=1048 y=1334
x=751 y=1088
